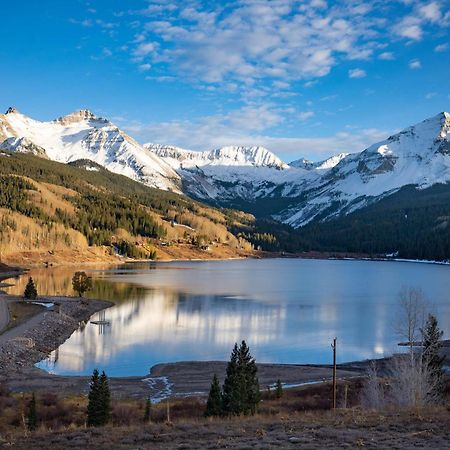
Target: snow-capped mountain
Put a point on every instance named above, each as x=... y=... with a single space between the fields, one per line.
x=180 y=158
x=325 y=164
x=295 y=193
x=82 y=135
x=418 y=155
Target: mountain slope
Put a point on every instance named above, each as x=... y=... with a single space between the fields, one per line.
x=82 y=135
x=411 y=223
x=418 y=155
x=232 y=175
x=67 y=213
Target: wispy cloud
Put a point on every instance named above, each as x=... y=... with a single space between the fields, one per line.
x=249 y=126
x=412 y=25
x=386 y=56
x=248 y=41
x=441 y=48
x=357 y=73
x=251 y=40
x=415 y=64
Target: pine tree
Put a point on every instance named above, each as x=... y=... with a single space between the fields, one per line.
x=249 y=385
x=32 y=416
x=30 y=292
x=241 y=394
x=105 y=399
x=432 y=335
x=230 y=394
x=93 y=410
x=148 y=409
x=214 y=403
x=279 y=389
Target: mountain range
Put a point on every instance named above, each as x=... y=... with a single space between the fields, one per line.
x=249 y=178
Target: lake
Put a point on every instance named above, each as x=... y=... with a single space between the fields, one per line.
x=288 y=311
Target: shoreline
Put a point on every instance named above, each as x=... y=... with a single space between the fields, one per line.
x=27 y=344
x=13 y=271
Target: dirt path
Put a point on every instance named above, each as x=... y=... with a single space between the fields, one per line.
x=22 y=329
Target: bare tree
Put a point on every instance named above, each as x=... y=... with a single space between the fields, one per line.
x=410 y=383
x=372 y=396
x=412 y=316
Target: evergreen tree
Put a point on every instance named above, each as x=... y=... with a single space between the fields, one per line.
x=32 y=416
x=241 y=393
x=30 y=292
x=81 y=283
x=105 y=399
x=231 y=386
x=148 y=409
x=94 y=404
x=279 y=389
x=250 y=395
x=214 y=403
x=432 y=335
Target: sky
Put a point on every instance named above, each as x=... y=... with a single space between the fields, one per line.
x=302 y=78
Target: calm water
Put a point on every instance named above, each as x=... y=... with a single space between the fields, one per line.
x=288 y=310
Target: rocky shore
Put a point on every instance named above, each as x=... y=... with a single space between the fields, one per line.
x=23 y=346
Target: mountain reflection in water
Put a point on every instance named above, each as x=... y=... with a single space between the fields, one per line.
x=287 y=310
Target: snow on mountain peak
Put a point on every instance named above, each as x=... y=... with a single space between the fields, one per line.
x=82 y=135
x=78 y=116
x=325 y=164
x=224 y=156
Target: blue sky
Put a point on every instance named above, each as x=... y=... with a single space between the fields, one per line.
x=301 y=78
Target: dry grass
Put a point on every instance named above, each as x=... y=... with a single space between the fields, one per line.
x=49 y=197
x=344 y=429
x=21 y=234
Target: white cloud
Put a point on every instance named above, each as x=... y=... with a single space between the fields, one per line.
x=144 y=49
x=249 y=126
x=412 y=25
x=305 y=115
x=430 y=11
x=247 y=41
x=387 y=56
x=357 y=73
x=415 y=64
x=430 y=95
x=441 y=48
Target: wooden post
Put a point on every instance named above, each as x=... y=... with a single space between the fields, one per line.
x=168 y=410
x=333 y=345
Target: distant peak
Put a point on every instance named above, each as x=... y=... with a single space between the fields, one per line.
x=11 y=110
x=78 y=116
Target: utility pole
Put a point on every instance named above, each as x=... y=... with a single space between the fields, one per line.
x=333 y=346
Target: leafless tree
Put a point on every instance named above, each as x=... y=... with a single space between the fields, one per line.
x=411 y=385
x=372 y=396
x=412 y=316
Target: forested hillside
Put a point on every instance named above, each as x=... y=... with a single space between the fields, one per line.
x=48 y=207
x=415 y=223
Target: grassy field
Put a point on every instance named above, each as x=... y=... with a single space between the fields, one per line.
x=301 y=418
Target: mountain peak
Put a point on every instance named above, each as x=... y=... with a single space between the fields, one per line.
x=11 y=110
x=78 y=116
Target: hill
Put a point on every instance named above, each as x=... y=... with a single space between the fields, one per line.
x=53 y=212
